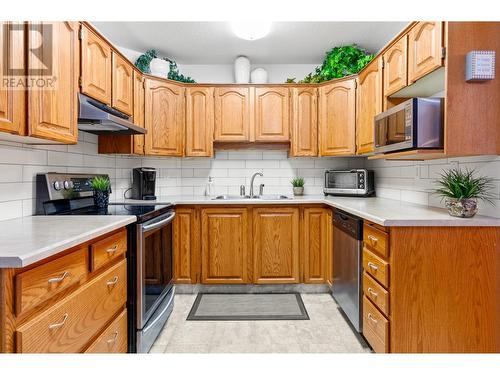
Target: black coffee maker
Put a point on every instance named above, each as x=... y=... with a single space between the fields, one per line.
x=143 y=183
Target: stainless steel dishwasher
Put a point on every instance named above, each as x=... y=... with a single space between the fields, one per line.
x=347 y=288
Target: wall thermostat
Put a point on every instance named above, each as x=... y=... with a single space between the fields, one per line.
x=480 y=66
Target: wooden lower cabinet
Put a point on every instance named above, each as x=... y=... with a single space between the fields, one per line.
x=276 y=245
x=186 y=245
x=225 y=236
x=59 y=305
x=316 y=238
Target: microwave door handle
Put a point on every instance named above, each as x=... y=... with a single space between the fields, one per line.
x=168 y=219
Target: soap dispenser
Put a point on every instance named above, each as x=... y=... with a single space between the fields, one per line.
x=209 y=188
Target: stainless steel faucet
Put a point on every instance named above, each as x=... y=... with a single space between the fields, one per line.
x=251 y=182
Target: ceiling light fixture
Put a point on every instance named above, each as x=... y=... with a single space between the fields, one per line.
x=251 y=29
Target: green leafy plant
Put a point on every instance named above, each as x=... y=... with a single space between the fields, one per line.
x=458 y=184
x=100 y=183
x=339 y=62
x=143 y=62
x=298 y=182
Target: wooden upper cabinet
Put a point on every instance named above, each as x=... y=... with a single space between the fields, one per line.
x=96 y=66
x=304 y=122
x=199 y=121
x=276 y=245
x=138 y=140
x=224 y=246
x=369 y=102
x=232 y=114
x=272 y=114
x=53 y=112
x=316 y=230
x=164 y=118
x=337 y=116
x=12 y=101
x=425 y=42
x=123 y=85
x=395 y=66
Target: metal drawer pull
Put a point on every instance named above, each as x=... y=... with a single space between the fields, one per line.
x=372 y=292
x=372 y=266
x=59 y=279
x=113 y=281
x=372 y=238
x=112 y=249
x=113 y=339
x=370 y=316
x=57 y=325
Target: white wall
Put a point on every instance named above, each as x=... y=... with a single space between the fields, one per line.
x=277 y=73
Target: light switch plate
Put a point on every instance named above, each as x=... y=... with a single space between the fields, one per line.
x=480 y=66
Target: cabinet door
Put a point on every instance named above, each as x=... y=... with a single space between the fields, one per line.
x=53 y=112
x=395 y=67
x=224 y=246
x=337 y=114
x=304 y=122
x=316 y=231
x=199 y=121
x=164 y=115
x=123 y=85
x=186 y=245
x=96 y=66
x=276 y=245
x=425 y=42
x=232 y=114
x=272 y=114
x=369 y=103
x=138 y=140
x=12 y=101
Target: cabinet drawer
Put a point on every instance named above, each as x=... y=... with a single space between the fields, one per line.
x=69 y=324
x=108 y=249
x=376 y=267
x=113 y=339
x=375 y=293
x=45 y=281
x=377 y=240
x=375 y=327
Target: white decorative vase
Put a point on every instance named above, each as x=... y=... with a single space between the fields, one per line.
x=159 y=67
x=259 y=75
x=242 y=69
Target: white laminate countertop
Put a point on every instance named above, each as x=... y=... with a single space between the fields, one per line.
x=383 y=211
x=27 y=240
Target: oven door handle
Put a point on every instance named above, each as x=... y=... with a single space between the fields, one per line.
x=161 y=223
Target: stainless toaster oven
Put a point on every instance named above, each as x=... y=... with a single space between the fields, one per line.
x=353 y=182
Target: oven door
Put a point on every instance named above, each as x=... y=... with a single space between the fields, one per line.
x=154 y=265
x=394 y=128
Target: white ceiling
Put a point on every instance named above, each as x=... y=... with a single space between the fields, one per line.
x=215 y=43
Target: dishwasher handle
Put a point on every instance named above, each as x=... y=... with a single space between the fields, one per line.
x=352 y=225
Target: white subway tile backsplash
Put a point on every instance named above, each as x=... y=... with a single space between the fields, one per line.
x=268 y=164
x=11 y=173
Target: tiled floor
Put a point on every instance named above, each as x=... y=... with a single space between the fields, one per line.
x=325 y=332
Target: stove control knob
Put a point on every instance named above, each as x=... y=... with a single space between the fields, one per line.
x=68 y=185
x=57 y=185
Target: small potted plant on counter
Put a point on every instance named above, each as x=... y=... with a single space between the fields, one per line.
x=102 y=187
x=298 y=185
x=462 y=189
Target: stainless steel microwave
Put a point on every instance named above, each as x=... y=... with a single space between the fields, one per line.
x=352 y=182
x=415 y=123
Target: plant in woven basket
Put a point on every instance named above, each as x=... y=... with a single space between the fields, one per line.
x=102 y=187
x=461 y=190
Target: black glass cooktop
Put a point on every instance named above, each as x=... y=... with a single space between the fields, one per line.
x=143 y=212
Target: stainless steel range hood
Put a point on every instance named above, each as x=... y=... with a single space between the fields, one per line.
x=97 y=118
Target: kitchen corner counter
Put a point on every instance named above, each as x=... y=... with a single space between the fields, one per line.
x=382 y=211
x=30 y=239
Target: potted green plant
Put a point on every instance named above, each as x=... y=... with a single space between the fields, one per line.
x=461 y=190
x=298 y=185
x=102 y=187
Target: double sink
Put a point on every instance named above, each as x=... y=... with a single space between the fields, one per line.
x=270 y=197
